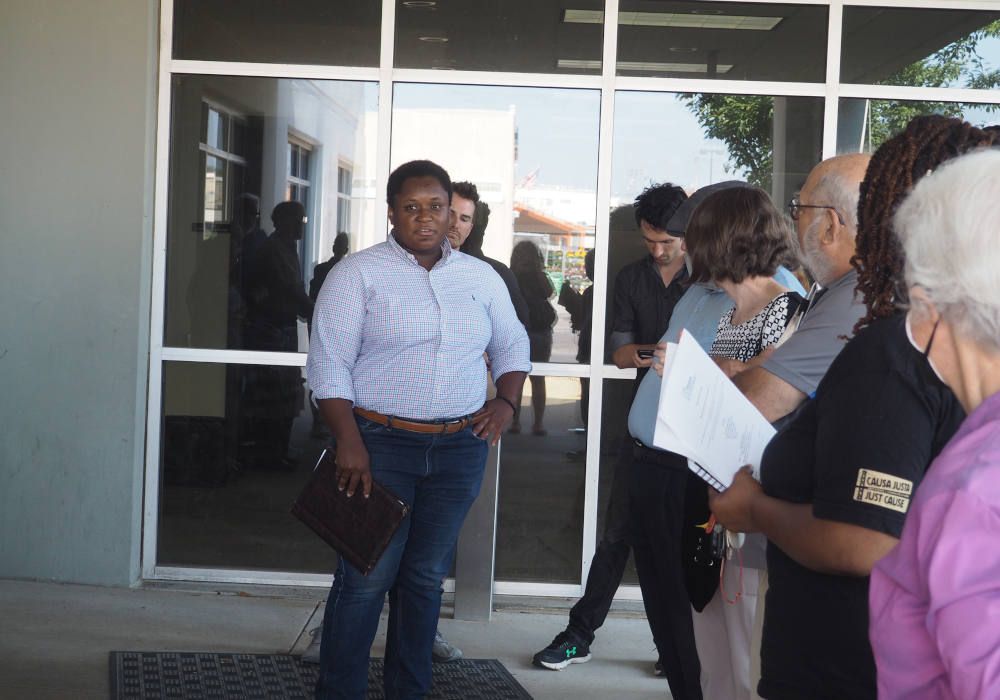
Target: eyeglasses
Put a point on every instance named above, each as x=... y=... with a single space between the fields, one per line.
x=795 y=205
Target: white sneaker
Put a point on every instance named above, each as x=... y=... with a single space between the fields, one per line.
x=443 y=651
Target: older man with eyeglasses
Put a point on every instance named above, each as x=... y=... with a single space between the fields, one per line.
x=826 y=217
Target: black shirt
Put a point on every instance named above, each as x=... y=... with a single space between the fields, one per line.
x=276 y=296
x=516 y=298
x=856 y=452
x=643 y=304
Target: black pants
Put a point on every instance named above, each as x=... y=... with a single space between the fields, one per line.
x=658 y=482
x=610 y=558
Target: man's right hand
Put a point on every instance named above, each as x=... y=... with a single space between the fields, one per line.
x=352 y=456
x=353 y=467
x=628 y=356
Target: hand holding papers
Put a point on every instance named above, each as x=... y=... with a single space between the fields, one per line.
x=704 y=417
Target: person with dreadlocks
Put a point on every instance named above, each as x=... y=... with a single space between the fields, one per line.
x=933 y=602
x=836 y=481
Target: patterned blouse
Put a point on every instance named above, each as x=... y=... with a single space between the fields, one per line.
x=747 y=340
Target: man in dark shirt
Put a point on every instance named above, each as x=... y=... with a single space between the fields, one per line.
x=645 y=293
x=647 y=289
x=276 y=299
x=469 y=217
x=341 y=243
x=277 y=296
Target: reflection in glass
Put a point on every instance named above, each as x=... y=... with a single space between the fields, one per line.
x=532 y=153
x=920 y=47
x=523 y=37
x=700 y=139
x=529 y=265
x=863 y=125
x=540 y=509
x=238 y=444
x=214 y=128
x=239 y=148
x=724 y=40
x=331 y=32
x=215 y=192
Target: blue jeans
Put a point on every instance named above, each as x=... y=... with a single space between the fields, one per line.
x=439 y=476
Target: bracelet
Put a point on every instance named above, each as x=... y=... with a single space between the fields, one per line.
x=508 y=402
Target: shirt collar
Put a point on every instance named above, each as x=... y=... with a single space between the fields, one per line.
x=680 y=276
x=446 y=249
x=850 y=277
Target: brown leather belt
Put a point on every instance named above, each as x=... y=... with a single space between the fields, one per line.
x=442 y=427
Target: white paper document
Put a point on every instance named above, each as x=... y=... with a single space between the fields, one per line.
x=704 y=417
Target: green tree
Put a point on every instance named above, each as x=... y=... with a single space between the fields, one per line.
x=744 y=122
x=957 y=64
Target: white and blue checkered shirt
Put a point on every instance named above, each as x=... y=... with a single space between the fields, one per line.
x=396 y=338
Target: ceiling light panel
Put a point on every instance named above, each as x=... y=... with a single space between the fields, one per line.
x=583 y=16
x=676 y=19
x=644 y=66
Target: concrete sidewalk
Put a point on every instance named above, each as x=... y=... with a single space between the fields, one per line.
x=55 y=638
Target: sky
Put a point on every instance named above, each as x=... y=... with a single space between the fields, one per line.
x=657 y=138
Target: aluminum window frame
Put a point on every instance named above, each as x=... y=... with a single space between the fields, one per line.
x=831 y=90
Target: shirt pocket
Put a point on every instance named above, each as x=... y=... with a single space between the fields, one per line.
x=466 y=323
x=397 y=322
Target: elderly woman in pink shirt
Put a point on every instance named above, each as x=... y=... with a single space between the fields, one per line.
x=935 y=598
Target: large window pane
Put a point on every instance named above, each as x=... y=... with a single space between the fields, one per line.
x=863 y=125
x=238 y=444
x=693 y=140
x=920 y=47
x=239 y=147
x=723 y=40
x=334 y=32
x=532 y=153
x=514 y=35
x=540 y=510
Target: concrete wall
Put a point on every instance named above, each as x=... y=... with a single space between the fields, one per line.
x=76 y=165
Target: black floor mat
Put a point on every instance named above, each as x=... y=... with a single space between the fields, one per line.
x=141 y=675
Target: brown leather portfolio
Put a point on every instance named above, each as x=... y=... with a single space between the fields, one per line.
x=358 y=528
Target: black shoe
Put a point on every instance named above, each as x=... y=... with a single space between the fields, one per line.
x=563 y=651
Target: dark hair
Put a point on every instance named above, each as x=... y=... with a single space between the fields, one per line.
x=897 y=165
x=526 y=257
x=341 y=243
x=737 y=233
x=465 y=190
x=416 y=168
x=287 y=213
x=657 y=204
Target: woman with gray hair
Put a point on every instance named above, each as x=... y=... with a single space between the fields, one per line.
x=935 y=598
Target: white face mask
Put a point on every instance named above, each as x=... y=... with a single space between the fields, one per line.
x=923 y=351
